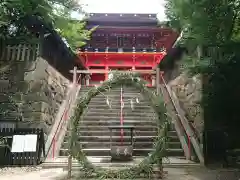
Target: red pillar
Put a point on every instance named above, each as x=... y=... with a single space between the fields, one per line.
x=106 y=73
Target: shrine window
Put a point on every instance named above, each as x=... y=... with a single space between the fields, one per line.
x=119 y=42
x=143 y=42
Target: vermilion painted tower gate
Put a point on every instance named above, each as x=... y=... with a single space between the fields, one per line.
x=125 y=42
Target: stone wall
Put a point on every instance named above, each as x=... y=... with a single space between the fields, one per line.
x=189 y=93
x=31 y=93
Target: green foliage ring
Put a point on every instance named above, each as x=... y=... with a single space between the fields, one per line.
x=146 y=166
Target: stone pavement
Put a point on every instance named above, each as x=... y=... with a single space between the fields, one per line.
x=44 y=174
x=196 y=173
x=201 y=174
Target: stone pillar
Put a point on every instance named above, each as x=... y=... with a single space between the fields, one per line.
x=87 y=77
x=153 y=77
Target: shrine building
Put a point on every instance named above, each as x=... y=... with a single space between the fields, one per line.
x=133 y=42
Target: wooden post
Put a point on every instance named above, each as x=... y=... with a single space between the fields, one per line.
x=106 y=74
x=158 y=80
x=153 y=77
x=69 y=167
x=87 y=77
x=75 y=75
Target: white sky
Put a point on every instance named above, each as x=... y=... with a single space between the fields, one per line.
x=125 y=6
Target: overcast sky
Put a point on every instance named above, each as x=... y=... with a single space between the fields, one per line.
x=125 y=6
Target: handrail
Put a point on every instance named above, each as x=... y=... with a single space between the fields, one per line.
x=62 y=131
x=62 y=116
x=59 y=122
x=178 y=126
x=184 y=122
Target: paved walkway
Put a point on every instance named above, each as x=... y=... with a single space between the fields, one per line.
x=45 y=174
x=195 y=173
x=201 y=174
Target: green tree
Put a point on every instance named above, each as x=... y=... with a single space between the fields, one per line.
x=208 y=21
x=208 y=24
x=53 y=12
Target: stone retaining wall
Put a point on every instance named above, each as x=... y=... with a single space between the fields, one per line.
x=189 y=92
x=31 y=94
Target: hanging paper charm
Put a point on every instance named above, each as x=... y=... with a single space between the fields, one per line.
x=132 y=104
x=137 y=100
x=108 y=102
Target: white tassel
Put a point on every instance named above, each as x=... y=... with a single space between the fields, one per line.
x=108 y=102
x=137 y=100
x=122 y=104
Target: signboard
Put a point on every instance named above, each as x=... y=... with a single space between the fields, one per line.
x=24 y=143
x=30 y=143
x=18 y=143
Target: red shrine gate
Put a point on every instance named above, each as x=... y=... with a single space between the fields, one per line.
x=125 y=42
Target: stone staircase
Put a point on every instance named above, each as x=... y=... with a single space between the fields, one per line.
x=95 y=135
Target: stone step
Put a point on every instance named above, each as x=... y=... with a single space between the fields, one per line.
x=116 y=110
x=126 y=119
x=103 y=102
x=118 y=138
x=117 y=96
x=4 y=98
x=90 y=112
x=147 y=127
x=126 y=132
x=138 y=145
x=105 y=122
x=83 y=127
x=103 y=105
x=136 y=152
x=84 y=88
x=115 y=132
x=126 y=89
x=116 y=93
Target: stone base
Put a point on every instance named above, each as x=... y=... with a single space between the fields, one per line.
x=121 y=153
